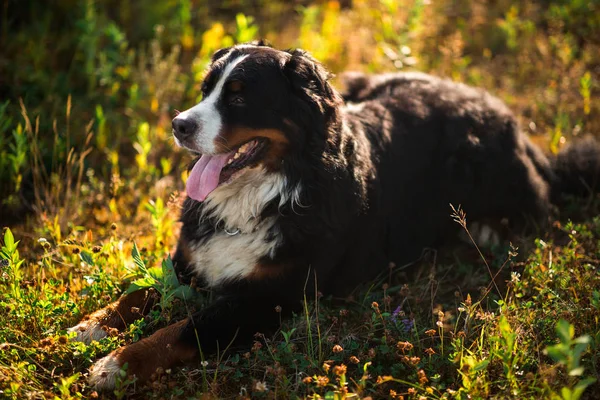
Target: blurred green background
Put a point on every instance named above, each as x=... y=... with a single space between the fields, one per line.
x=88 y=88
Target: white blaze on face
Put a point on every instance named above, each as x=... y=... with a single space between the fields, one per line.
x=206 y=114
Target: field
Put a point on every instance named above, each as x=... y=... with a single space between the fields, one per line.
x=91 y=185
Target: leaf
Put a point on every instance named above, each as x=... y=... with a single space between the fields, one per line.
x=156 y=273
x=565 y=331
x=481 y=365
x=139 y=284
x=87 y=258
x=137 y=258
x=576 y=371
x=169 y=272
x=184 y=292
x=581 y=386
x=9 y=240
x=556 y=353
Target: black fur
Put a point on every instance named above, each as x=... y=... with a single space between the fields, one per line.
x=377 y=177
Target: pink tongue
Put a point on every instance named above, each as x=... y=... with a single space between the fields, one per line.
x=204 y=177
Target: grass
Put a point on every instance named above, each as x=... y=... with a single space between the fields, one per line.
x=92 y=184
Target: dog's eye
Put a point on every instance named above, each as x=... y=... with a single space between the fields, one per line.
x=236 y=100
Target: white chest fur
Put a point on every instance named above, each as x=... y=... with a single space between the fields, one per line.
x=236 y=207
x=224 y=257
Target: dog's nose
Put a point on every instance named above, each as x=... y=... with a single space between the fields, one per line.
x=184 y=127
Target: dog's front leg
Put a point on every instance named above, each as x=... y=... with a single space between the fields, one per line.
x=232 y=318
x=116 y=315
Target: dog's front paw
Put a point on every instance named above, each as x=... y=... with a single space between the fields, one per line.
x=88 y=330
x=104 y=372
x=164 y=349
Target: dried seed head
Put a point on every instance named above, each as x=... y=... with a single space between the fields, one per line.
x=354 y=360
x=337 y=348
x=340 y=370
x=422 y=377
x=307 y=380
x=404 y=346
x=322 y=381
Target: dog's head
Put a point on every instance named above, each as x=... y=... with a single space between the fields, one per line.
x=260 y=107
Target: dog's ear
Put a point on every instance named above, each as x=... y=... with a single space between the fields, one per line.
x=310 y=79
x=261 y=43
x=219 y=53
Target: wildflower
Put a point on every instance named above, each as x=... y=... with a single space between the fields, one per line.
x=375 y=306
x=440 y=315
x=340 y=370
x=307 y=380
x=343 y=313
x=429 y=390
x=354 y=360
x=485 y=316
x=468 y=301
x=411 y=391
x=397 y=313
x=256 y=346
x=430 y=351
x=404 y=346
x=415 y=360
x=322 y=381
x=337 y=348
x=326 y=367
x=379 y=380
x=260 y=386
x=515 y=277
x=404 y=291
x=204 y=364
x=408 y=324
x=393 y=394
x=422 y=377
x=430 y=332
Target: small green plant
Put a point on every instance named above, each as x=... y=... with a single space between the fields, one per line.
x=11 y=262
x=163 y=279
x=568 y=352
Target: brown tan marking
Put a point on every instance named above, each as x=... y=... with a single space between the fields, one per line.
x=163 y=349
x=117 y=315
x=264 y=271
x=236 y=136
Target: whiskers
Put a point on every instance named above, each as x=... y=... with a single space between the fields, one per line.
x=224 y=143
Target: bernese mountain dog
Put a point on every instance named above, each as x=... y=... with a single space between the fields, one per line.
x=298 y=188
